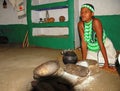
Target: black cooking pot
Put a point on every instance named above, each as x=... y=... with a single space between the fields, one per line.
x=69 y=57
x=117 y=64
x=3 y=40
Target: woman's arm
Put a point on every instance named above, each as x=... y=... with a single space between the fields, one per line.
x=97 y=26
x=83 y=43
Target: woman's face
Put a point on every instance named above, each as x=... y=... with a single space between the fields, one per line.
x=86 y=15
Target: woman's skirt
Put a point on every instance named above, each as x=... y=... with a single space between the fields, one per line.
x=111 y=54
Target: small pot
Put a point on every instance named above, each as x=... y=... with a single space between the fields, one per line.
x=69 y=57
x=117 y=64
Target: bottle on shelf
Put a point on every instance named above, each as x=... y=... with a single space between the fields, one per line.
x=4 y=4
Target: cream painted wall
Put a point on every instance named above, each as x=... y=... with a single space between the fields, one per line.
x=49 y=1
x=104 y=7
x=9 y=15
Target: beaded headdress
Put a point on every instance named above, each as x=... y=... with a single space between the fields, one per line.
x=88 y=6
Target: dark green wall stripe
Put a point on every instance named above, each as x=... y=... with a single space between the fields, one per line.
x=111 y=24
x=15 y=33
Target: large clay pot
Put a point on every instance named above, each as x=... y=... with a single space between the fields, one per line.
x=46 y=69
x=69 y=57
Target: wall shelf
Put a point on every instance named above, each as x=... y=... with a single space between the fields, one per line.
x=60 y=41
x=51 y=24
x=56 y=5
x=44 y=36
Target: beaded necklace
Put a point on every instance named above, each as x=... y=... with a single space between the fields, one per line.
x=90 y=37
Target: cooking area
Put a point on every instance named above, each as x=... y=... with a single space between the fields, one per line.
x=17 y=65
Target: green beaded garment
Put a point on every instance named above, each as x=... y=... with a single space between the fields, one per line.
x=91 y=38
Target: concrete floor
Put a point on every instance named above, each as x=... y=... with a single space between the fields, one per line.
x=17 y=64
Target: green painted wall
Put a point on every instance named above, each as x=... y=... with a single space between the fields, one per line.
x=111 y=24
x=16 y=33
x=52 y=42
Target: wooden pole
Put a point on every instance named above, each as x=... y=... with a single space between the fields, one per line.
x=25 y=41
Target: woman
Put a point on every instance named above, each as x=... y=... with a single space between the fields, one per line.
x=94 y=42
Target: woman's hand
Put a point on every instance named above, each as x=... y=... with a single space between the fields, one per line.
x=109 y=68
